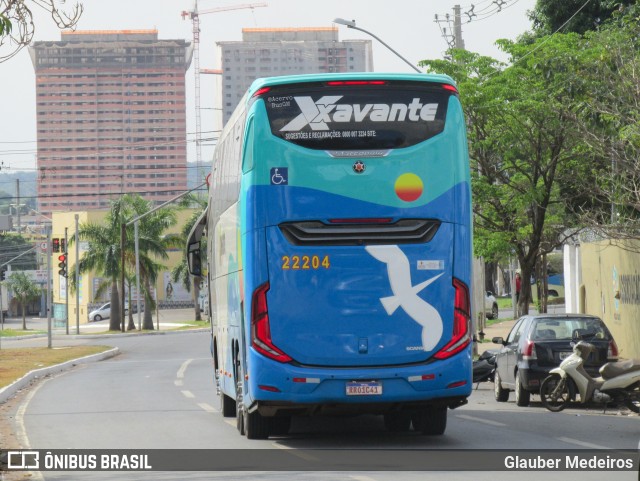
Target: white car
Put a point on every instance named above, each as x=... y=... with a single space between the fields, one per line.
x=490 y=305
x=103 y=312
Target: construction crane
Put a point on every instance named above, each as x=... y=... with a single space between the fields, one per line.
x=194 y=15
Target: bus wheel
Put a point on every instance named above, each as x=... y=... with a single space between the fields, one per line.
x=397 y=422
x=256 y=426
x=431 y=421
x=228 y=406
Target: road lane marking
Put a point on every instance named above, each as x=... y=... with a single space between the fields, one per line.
x=21 y=429
x=208 y=407
x=178 y=382
x=188 y=394
x=183 y=368
x=479 y=420
x=230 y=422
x=361 y=478
x=577 y=442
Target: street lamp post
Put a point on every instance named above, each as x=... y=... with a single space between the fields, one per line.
x=352 y=24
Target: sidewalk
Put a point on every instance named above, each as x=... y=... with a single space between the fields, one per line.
x=169 y=319
x=499 y=329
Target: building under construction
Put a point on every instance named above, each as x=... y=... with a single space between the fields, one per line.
x=267 y=52
x=111 y=118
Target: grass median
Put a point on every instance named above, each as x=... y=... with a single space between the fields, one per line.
x=16 y=362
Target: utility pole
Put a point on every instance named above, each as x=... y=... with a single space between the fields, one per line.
x=18 y=202
x=452 y=33
x=49 y=300
x=66 y=279
x=77 y=277
x=457 y=28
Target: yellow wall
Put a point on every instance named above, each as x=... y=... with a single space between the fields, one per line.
x=60 y=220
x=611 y=290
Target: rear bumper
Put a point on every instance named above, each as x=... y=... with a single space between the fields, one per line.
x=275 y=387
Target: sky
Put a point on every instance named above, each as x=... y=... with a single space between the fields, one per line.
x=407 y=26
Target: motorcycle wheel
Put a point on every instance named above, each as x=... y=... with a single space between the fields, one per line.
x=554 y=393
x=633 y=400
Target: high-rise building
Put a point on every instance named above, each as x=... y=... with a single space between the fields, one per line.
x=269 y=52
x=111 y=117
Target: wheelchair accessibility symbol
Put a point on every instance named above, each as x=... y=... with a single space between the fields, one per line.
x=280 y=176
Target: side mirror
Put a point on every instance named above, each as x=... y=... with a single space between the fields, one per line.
x=498 y=340
x=193 y=259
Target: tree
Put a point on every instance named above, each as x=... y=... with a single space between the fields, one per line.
x=17 y=27
x=180 y=273
x=524 y=146
x=575 y=16
x=12 y=245
x=610 y=122
x=25 y=290
x=104 y=253
x=153 y=243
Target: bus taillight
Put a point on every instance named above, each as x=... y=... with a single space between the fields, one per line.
x=450 y=88
x=340 y=83
x=461 y=322
x=260 y=329
x=261 y=91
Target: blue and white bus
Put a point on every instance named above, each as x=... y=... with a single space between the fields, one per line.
x=339 y=252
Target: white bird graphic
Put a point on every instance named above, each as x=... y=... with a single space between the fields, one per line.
x=406 y=296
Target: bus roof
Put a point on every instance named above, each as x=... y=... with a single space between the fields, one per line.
x=292 y=79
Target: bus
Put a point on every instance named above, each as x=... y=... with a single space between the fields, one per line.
x=339 y=252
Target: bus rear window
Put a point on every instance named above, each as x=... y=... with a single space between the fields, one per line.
x=345 y=117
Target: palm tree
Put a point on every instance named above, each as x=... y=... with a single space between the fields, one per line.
x=180 y=273
x=152 y=244
x=103 y=254
x=25 y=290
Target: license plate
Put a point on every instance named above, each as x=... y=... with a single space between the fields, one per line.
x=367 y=388
x=564 y=355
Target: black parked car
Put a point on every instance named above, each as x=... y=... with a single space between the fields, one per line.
x=538 y=343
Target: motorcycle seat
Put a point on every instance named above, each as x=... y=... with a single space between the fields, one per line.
x=613 y=369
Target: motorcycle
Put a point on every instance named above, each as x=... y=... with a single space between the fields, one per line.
x=619 y=382
x=484 y=367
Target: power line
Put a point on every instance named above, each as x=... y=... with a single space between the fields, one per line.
x=97 y=194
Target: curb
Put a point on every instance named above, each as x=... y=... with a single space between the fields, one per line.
x=10 y=390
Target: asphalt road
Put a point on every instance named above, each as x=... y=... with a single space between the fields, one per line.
x=159 y=393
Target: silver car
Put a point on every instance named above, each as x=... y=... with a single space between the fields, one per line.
x=490 y=305
x=103 y=312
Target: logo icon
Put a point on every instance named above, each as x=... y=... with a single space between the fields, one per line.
x=359 y=167
x=325 y=110
x=279 y=176
x=23 y=460
x=405 y=294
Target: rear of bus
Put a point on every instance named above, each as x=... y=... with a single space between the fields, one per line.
x=356 y=246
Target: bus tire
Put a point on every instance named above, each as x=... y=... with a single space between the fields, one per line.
x=431 y=421
x=256 y=426
x=228 y=406
x=397 y=422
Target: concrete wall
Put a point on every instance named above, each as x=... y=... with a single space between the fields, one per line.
x=610 y=289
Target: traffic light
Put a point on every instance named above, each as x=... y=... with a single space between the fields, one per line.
x=62 y=264
x=63 y=245
x=56 y=244
x=3 y=273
